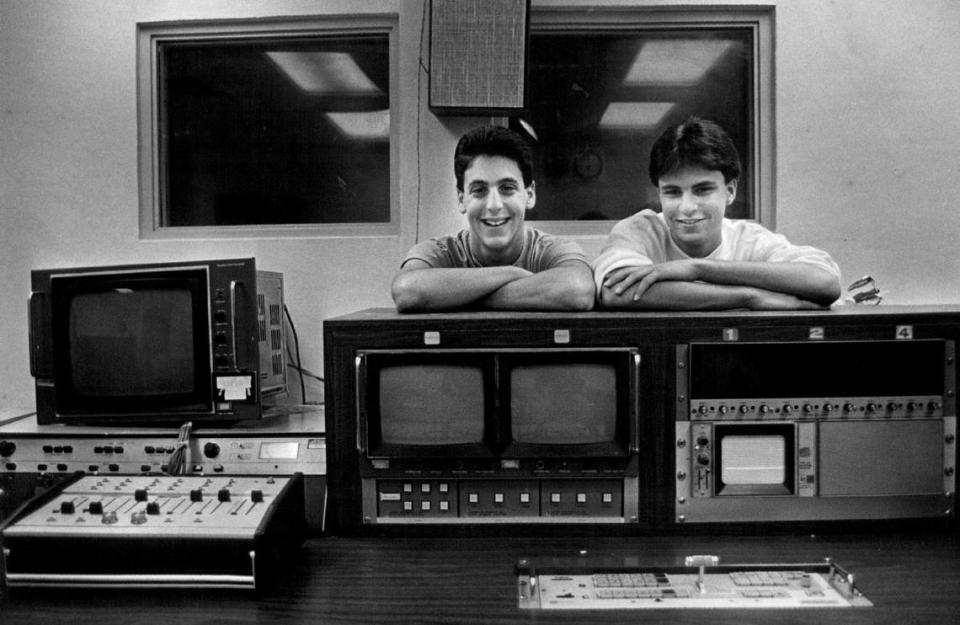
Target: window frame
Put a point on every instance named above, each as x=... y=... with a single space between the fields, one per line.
x=621 y=19
x=150 y=35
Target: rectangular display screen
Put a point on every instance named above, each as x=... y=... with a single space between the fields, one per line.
x=563 y=404
x=132 y=342
x=816 y=369
x=753 y=460
x=424 y=404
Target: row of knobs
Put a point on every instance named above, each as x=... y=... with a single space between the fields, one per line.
x=210 y=450
x=911 y=406
x=153 y=507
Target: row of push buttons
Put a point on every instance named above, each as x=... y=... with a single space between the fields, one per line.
x=524 y=497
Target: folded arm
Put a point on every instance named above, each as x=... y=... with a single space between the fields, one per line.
x=418 y=287
x=711 y=284
x=568 y=286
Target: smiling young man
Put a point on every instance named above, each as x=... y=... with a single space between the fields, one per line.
x=498 y=261
x=689 y=256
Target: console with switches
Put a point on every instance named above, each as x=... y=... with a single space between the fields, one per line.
x=222 y=531
x=276 y=445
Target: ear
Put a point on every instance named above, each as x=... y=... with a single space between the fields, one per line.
x=460 y=206
x=731 y=191
x=531 y=195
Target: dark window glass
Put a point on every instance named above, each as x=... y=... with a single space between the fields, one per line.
x=599 y=100
x=275 y=131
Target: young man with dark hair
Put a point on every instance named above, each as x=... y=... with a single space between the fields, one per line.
x=689 y=256
x=498 y=261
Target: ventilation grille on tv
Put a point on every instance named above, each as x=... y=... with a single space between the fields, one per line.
x=270 y=334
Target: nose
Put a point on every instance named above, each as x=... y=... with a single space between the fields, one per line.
x=688 y=202
x=494 y=201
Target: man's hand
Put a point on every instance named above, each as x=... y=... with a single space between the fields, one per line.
x=644 y=276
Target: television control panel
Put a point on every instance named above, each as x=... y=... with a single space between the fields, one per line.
x=276 y=445
x=702 y=583
x=656 y=420
x=498 y=500
x=803 y=431
x=154 y=531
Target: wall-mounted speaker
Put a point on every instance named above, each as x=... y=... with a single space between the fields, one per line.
x=478 y=56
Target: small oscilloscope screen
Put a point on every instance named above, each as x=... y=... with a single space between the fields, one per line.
x=563 y=404
x=132 y=342
x=753 y=459
x=431 y=404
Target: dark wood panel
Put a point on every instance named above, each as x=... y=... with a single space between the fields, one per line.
x=911 y=578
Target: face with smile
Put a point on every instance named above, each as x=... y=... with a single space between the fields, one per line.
x=694 y=201
x=495 y=201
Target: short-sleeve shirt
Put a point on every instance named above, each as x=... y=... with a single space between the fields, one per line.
x=644 y=239
x=541 y=251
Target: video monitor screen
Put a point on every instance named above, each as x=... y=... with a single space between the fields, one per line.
x=563 y=404
x=753 y=459
x=130 y=342
x=431 y=404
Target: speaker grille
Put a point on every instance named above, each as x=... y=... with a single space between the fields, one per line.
x=478 y=51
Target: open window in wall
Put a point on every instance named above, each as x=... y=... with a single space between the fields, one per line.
x=267 y=127
x=605 y=83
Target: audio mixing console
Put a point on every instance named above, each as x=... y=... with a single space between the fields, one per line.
x=155 y=531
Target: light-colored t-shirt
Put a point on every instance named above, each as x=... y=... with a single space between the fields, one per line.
x=644 y=239
x=541 y=251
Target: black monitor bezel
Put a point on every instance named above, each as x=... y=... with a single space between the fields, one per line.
x=65 y=288
x=625 y=428
x=369 y=419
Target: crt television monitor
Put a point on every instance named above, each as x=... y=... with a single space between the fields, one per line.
x=569 y=403
x=147 y=343
x=431 y=404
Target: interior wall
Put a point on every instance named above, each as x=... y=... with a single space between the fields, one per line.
x=866 y=123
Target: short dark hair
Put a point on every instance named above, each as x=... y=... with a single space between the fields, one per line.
x=694 y=142
x=492 y=140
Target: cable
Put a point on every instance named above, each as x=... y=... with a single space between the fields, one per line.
x=296 y=344
x=420 y=71
x=177 y=464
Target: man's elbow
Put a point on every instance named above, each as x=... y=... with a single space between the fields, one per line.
x=828 y=290
x=581 y=296
x=405 y=296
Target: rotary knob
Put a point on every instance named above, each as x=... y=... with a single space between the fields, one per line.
x=211 y=450
x=7 y=448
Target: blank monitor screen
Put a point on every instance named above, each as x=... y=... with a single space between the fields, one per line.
x=431 y=405
x=759 y=459
x=563 y=404
x=132 y=342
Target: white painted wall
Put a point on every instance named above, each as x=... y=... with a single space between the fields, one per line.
x=868 y=129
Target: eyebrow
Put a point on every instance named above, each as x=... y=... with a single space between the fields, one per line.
x=480 y=182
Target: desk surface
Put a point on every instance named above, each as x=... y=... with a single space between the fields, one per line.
x=911 y=578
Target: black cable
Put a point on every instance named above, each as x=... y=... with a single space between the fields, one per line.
x=296 y=344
